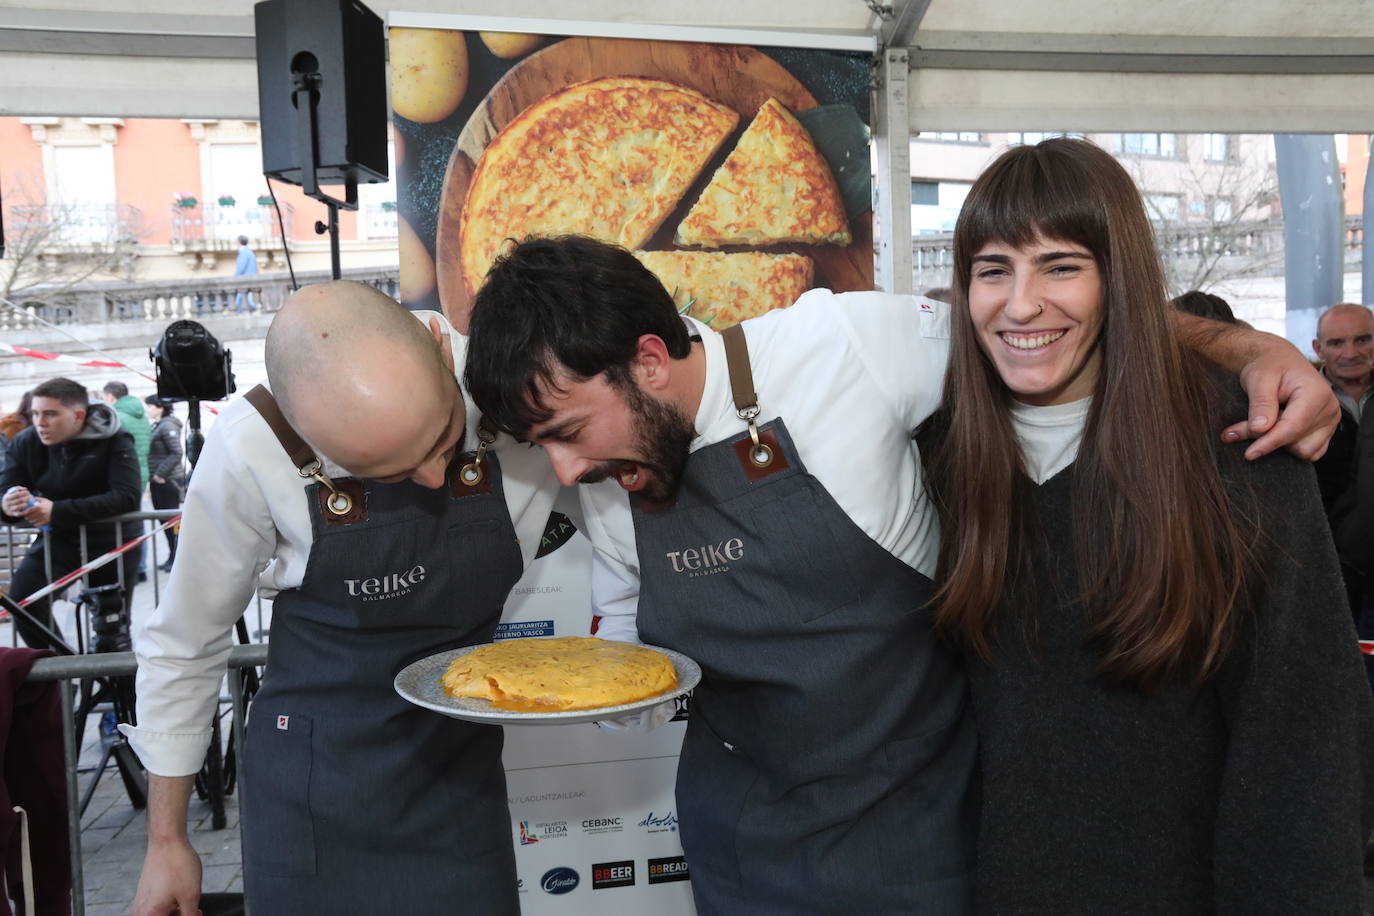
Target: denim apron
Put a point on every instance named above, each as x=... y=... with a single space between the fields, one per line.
x=828 y=764
x=356 y=800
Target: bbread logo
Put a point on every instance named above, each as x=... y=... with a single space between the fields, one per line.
x=707 y=559
x=392 y=585
x=595 y=825
x=673 y=868
x=560 y=880
x=613 y=874
x=659 y=823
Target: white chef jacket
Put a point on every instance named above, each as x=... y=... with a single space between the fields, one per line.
x=852 y=375
x=245 y=524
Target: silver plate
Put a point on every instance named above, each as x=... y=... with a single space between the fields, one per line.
x=419 y=683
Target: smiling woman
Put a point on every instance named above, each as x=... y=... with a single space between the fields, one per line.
x=1157 y=644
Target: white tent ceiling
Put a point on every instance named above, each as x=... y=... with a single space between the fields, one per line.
x=1286 y=66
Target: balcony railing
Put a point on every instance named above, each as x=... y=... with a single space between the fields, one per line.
x=75 y=227
x=157 y=302
x=225 y=223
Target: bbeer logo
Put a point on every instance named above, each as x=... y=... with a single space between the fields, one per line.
x=560 y=880
x=393 y=585
x=673 y=868
x=603 y=825
x=708 y=559
x=613 y=874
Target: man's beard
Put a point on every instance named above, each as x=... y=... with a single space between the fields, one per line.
x=663 y=435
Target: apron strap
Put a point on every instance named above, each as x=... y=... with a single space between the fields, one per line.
x=760 y=453
x=342 y=497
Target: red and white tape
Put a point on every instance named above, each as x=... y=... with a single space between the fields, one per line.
x=102 y=560
x=62 y=358
x=1367 y=646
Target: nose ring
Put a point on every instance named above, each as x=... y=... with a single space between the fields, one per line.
x=1041 y=312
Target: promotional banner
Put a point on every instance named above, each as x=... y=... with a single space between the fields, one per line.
x=740 y=176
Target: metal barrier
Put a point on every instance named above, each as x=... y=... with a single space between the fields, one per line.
x=85 y=666
x=116 y=664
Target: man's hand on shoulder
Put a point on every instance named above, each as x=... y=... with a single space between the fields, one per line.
x=170 y=883
x=1291 y=405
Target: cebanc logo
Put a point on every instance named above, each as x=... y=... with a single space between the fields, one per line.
x=393 y=585
x=560 y=880
x=708 y=559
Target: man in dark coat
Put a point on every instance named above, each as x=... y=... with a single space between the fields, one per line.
x=74 y=466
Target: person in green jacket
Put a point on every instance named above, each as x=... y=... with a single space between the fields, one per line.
x=134 y=419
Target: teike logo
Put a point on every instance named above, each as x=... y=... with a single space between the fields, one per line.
x=708 y=559
x=560 y=880
x=613 y=874
x=394 y=585
x=673 y=868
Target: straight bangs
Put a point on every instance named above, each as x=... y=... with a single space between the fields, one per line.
x=1022 y=197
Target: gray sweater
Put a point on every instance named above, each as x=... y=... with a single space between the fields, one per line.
x=1251 y=796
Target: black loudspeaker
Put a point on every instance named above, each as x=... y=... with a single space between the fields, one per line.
x=344 y=43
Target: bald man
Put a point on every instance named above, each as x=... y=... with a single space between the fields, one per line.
x=357 y=802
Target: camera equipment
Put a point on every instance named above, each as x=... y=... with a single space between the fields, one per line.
x=192 y=364
x=110 y=633
x=192 y=367
x=109 y=618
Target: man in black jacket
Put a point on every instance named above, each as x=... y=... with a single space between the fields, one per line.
x=74 y=466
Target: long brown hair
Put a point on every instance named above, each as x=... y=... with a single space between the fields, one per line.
x=1165 y=561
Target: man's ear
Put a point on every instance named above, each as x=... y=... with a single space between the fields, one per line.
x=80 y=414
x=651 y=368
x=444 y=341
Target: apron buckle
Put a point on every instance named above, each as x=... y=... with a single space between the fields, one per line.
x=339 y=502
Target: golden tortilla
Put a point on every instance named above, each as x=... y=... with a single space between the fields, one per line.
x=559 y=674
x=608 y=158
x=774 y=187
x=723 y=288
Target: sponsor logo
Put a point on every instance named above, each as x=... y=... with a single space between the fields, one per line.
x=283 y=722
x=548 y=830
x=560 y=880
x=682 y=708
x=603 y=825
x=393 y=585
x=520 y=886
x=613 y=874
x=517 y=629
x=673 y=868
x=659 y=823
x=706 y=560
x=557 y=532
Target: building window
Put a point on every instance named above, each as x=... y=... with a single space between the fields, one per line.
x=950 y=136
x=1221 y=209
x=1033 y=137
x=925 y=192
x=1216 y=147
x=1162 y=206
x=1164 y=145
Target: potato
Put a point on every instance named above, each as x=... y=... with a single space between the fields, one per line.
x=429 y=73
x=510 y=44
x=417 y=267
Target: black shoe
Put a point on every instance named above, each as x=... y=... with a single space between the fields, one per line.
x=143 y=577
x=165 y=567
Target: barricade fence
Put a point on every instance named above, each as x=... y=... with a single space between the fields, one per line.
x=89 y=666
x=74 y=669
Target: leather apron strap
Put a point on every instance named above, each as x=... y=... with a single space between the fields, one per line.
x=342 y=496
x=760 y=456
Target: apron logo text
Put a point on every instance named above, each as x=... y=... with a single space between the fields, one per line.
x=391 y=586
x=708 y=559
